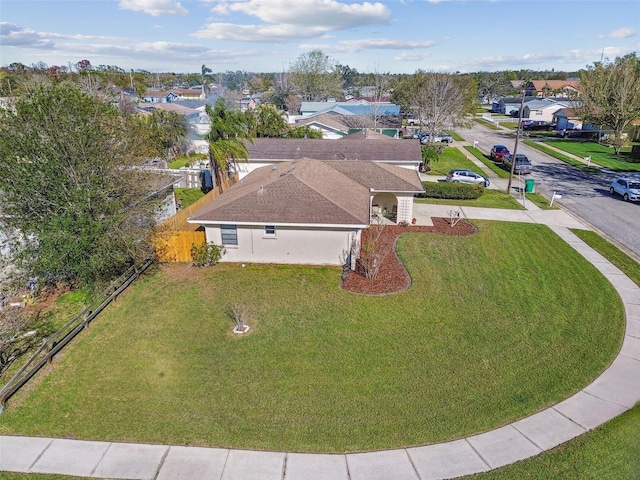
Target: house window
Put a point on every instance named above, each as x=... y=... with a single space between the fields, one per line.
x=229 y=234
x=269 y=230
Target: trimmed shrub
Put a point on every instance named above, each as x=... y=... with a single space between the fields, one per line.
x=453 y=191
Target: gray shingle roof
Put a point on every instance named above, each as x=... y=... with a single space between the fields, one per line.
x=308 y=192
x=353 y=149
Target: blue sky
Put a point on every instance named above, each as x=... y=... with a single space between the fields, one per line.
x=398 y=36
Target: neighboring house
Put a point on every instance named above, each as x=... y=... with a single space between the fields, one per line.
x=306 y=211
x=509 y=105
x=552 y=88
x=359 y=107
x=334 y=125
x=565 y=118
x=272 y=151
x=173 y=95
x=543 y=109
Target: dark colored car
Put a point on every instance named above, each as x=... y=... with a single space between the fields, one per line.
x=498 y=152
x=523 y=164
x=538 y=125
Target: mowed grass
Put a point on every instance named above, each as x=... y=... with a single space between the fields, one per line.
x=600 y=154
x=496 y=326
x=452 y=158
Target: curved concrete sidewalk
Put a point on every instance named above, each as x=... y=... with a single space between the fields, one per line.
x=611 y=394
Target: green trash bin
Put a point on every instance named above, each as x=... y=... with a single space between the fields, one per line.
x=529 y=185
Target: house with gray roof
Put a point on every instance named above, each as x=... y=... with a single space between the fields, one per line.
x=363 y=145
x=543 y=109
x=334 y=125
x=306 y=211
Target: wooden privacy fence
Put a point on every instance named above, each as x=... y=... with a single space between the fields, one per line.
x=175 y=236
x=58 y=340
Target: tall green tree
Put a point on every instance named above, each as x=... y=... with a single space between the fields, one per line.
x=78 y=211
x=316 y=76
x=226 y=139
x=266 y=121
x=167 y=133
x=609 y=95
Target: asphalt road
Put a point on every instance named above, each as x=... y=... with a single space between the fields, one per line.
x=586 y=195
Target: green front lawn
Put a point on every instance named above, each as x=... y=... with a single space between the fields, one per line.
x=600 y=154
x=450 y=159
x=495 y=326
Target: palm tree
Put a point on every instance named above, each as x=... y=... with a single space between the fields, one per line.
x=266 y=121
x=226 y=145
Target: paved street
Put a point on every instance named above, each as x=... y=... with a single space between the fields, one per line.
x=585 y=195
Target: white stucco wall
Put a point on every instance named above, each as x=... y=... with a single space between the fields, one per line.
x=295 y=245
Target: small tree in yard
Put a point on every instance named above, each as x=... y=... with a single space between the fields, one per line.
x=371 y=252
x=430 y=155
x=239 y=313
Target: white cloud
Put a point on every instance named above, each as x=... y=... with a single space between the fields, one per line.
x=625 y=32
x=154 y=7
x=409 y=57
x=385 y=44
x=257 y=33
x=12 y=35
x=287 y=21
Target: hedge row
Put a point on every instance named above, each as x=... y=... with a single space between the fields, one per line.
x=457 y=191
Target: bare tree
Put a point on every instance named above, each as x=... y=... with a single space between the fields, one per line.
x=440 y=100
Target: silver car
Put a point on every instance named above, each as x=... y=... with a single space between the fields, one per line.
x=627 y=188
x=467 y=176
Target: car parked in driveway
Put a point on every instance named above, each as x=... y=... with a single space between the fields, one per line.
x=498 y=152
x=523 y=164
x=467 y=176
x=538 y=125
x=627 y=188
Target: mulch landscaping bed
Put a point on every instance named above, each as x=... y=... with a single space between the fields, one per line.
x=392 y=276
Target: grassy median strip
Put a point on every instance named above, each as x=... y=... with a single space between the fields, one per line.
x=540 y=146
x=608 y=452
x=600 y=154
x=624 y=262
x=495 y=326
x=495 y=168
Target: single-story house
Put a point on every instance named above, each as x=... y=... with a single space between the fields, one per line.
x=552 y=88
x=565 y=118
x=360 y=107
x=334 y=125
x=306 y=211
x=543 y=108
x=358 y=146
x=509 y=105
x=173 y=95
